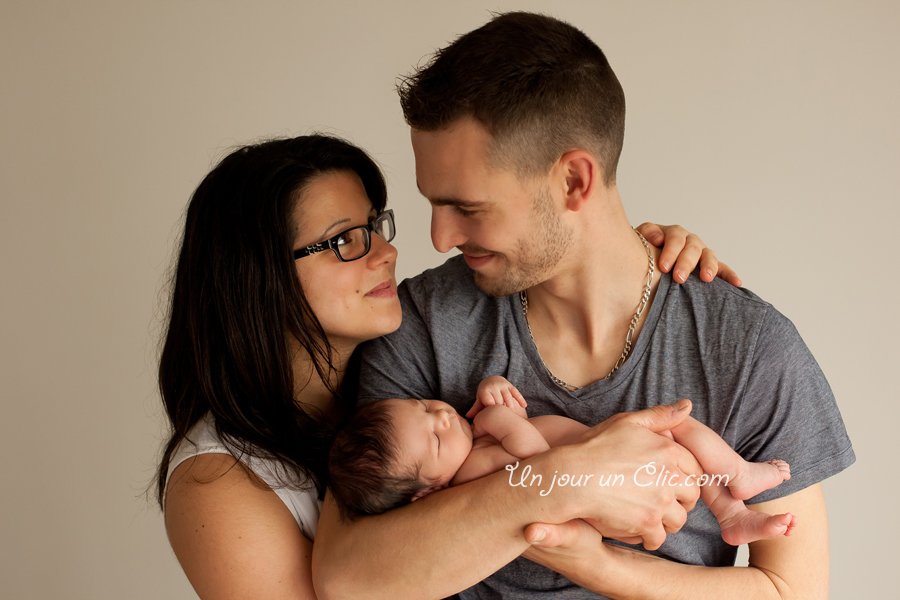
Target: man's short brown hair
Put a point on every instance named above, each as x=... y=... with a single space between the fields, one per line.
x=538 y=85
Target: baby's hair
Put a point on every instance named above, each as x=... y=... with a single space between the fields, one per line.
x=364 y=473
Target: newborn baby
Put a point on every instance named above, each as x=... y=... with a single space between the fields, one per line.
x=397 y=451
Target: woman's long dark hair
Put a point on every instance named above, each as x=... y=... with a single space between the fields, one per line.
x=236 y=302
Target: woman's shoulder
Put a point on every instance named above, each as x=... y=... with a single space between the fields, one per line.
x=203 y=459
x=219 y=515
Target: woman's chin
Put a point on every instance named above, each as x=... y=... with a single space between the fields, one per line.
x=383 y=324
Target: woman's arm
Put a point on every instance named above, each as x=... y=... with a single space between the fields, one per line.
x=447 y=542
x=233 y=538
x=787 y=567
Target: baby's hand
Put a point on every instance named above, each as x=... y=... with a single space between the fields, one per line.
x=497 y=390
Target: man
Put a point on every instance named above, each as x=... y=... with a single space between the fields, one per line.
x=517 y=128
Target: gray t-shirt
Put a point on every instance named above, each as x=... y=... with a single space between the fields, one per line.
x=743 y=364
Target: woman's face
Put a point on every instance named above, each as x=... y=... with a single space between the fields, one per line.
x=354 y=301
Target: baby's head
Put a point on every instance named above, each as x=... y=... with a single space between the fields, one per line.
x=396 y=451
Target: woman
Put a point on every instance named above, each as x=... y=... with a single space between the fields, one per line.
x=285 y=268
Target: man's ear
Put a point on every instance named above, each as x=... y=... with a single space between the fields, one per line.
x=582 y=176
x=426 y=491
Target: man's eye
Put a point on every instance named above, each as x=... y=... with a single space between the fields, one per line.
x=463 y=212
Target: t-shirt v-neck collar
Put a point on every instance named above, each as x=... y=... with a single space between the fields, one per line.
x=603 y=385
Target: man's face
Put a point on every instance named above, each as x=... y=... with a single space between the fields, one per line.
x=510 y=232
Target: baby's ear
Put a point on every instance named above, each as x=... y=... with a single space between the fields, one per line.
x=422 y=493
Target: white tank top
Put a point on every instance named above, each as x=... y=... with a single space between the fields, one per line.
x=202 y=439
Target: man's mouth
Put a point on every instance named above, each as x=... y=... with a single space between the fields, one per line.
x=476 y=261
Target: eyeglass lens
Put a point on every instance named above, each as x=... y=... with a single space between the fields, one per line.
x=384 y=226
x=355 y=243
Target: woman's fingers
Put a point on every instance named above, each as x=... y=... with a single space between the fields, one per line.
x=709 y=265
x=688 y=258
x=676 y=238
x=728 y=274
x=652 y=233
x=682 y=251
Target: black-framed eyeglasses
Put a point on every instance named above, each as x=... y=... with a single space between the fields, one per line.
x=354 y=243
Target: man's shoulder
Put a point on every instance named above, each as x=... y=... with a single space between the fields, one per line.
x=717 y=302
x=454 y=276
x=731 y=316
x=448 y=290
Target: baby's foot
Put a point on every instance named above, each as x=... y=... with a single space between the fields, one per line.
x=754 y=478
x=747 y=526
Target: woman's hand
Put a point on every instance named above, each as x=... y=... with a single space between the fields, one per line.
x=685 y=251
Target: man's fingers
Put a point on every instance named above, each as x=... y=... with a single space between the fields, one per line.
x=655 y=538
x=675 y=518
x=546 y=535
x=666 y=416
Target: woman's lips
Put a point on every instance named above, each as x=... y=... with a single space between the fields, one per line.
x=385 y=290
x=477 y=261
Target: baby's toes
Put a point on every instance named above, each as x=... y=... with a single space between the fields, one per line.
x=783 y=468
x=791 y=525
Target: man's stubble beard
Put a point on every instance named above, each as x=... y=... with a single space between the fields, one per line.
x=534 y=259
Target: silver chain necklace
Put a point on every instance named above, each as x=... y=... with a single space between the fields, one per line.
x=523 y=296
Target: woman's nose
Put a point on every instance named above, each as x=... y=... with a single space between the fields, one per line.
x=381 y=252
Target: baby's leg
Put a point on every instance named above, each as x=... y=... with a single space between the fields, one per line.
x=745 y=479
x=739 y=524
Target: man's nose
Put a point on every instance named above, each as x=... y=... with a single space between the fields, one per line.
x=446 y=233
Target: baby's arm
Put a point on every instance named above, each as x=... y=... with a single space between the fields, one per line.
x=518 y=439
x=517 y=436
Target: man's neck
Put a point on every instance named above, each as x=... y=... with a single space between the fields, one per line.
x=580 y=317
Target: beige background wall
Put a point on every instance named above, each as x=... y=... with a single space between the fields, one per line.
x=771 y=128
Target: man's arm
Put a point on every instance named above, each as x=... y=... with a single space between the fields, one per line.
x=782 y=568
x=400 y=554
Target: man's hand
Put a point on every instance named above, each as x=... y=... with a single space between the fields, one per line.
x=496 y=390
x=643 y=496
x=564 y=547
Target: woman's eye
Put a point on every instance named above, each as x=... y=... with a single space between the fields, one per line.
x=345 y=239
